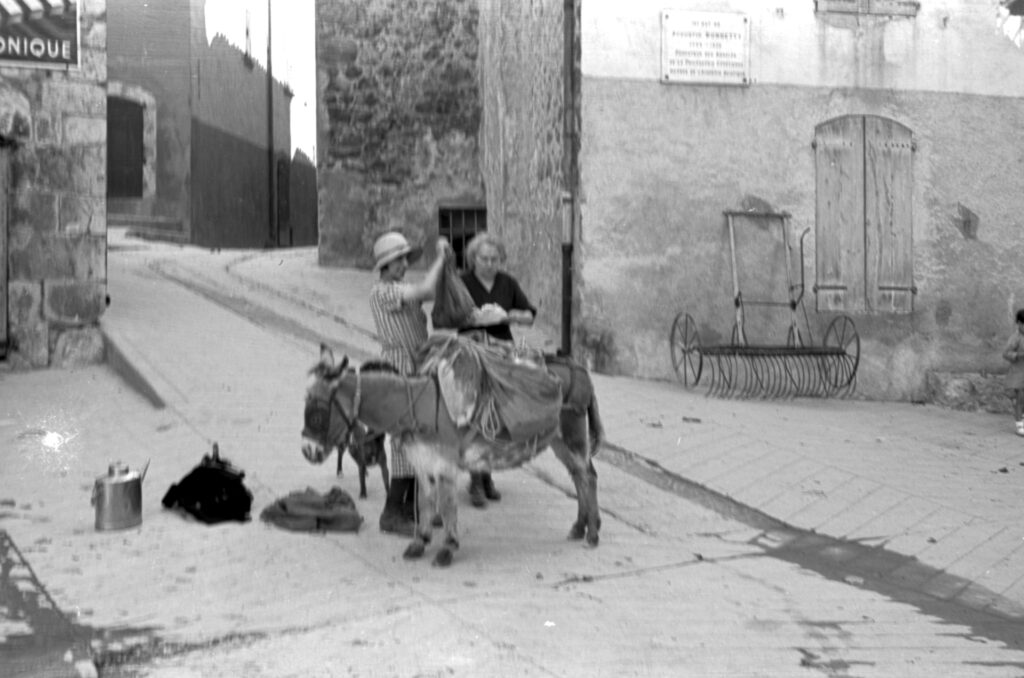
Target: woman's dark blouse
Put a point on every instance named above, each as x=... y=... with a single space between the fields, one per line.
x=505 y=293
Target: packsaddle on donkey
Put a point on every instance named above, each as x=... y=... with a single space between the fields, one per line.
x=504 y=415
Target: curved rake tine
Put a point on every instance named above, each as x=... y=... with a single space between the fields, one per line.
x=719 y=377
x=754 y=384
x=749 y=376
x=802 y=366
x=784 y=376
x=776 y=380
x=766 y=364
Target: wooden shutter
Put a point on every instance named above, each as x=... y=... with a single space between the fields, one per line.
x=839 y=218
x=888 y=226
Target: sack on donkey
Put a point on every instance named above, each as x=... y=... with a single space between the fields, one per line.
x=511 y=399
x=212 y=492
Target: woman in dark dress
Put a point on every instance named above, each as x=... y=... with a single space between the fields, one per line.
x=500 y=303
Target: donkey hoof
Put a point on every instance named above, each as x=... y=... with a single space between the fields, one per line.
x=437 y=520
x=592 y=539
x=443 y=558
x=414 y=550
x=577 y=532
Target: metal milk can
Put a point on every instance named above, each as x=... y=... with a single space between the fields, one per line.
x=117 y=497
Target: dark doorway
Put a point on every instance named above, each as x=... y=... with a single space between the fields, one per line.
x=125 y=156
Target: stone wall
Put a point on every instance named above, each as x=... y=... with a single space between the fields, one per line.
x=398 y=111
x=56 y=234
x=524 y=147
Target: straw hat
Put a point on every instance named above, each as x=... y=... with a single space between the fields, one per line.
x=391 y=246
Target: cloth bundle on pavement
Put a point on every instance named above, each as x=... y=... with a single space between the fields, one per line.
x=310 y=511
x=212 y=492
x=453 y=305
x=488 y=389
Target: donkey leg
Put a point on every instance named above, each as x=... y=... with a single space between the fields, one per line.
x=594 y=519
x=382 y=460
x=425 y=492
x=449 y=513
x=362 y=479
x=573 y=451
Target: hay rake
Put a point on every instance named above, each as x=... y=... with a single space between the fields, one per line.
x=768 y=371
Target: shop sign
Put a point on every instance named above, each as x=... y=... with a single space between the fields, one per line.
x=40 y=33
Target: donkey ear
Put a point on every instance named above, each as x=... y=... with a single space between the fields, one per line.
x=326 y=356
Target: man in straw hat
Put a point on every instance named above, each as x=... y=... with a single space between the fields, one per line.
x=402 y=328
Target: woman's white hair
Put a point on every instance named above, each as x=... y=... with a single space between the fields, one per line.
x=478 y=241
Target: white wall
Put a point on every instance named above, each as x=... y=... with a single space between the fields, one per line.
x=947 y=47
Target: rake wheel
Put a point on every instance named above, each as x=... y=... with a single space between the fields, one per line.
x=684 y=342
x=842 y=333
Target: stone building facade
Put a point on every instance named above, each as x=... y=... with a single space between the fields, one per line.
x=888 y=130
x=398 y=113
x=53 y=235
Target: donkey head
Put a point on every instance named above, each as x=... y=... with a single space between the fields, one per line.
x=327 y=423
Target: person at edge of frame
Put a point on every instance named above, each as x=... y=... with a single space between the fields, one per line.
x=1014 y=380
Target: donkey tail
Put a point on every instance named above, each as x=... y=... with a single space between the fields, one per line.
x=596 y=428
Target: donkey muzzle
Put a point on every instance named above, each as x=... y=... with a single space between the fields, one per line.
x=314 y=452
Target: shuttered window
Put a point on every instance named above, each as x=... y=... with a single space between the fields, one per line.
x=863 y=220
x=878 y=7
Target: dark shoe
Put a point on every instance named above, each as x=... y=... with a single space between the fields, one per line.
x=476 y=491
x=395 y=523
x=398 y=516
x=490 y=491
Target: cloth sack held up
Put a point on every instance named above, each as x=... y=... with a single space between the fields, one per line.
x=453 y=305
x=212 y=492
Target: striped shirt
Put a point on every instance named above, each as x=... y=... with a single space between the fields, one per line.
x=401 y=324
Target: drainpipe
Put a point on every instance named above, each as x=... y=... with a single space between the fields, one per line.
x=570 y=194
x=271 y=210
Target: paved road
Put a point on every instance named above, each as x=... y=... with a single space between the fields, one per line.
x=686 y=581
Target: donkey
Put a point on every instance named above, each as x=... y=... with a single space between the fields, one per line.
x=365 y=447
x=412 y=408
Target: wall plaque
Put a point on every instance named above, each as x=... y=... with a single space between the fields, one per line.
x=705 y=47
x=40 y=33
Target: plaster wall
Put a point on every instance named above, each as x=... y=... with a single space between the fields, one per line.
x=56 y=229
x=661 y=162
x=398 y=113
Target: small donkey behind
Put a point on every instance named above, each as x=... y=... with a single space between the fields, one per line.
x=367 y=449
